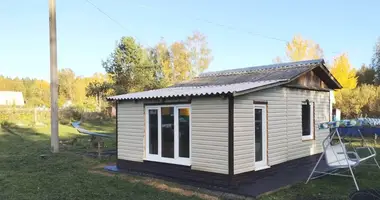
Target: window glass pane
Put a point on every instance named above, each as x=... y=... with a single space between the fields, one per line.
x=153 y=132
x=258 y=135
x=167 y=132
x=305 y=120
x=184 y=132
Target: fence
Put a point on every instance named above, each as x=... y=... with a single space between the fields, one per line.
x=24 y=115
x=38 y=116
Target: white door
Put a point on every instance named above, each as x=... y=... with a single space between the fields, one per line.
x=260 y=117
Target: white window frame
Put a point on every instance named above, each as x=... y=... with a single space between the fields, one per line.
x=158 y=158
x=263 y=164
x=311 y=134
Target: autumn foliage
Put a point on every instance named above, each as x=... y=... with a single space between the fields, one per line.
x=360 y=95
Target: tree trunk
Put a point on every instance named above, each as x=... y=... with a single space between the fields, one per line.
x=100 y=102
x=97 y=100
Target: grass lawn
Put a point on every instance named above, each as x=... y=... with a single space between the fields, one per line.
x=70 y=175
x=67 y=175
x=332 y=187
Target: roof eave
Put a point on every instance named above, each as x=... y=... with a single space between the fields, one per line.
x=116 y=98
x=324 y=68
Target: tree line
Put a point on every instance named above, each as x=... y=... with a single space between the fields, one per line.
x=130 y=67
x=72 y=88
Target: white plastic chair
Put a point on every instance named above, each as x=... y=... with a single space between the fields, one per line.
x=336 y=155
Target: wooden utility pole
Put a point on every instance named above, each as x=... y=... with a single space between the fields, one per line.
x=54 y=138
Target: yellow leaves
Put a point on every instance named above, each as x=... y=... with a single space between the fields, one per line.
x=343 y=72
x=164 y=61
x=181 y=64
x=359 y=102
x=184 y=59
x=199 y=53
x=301 y=49
x=351 y=100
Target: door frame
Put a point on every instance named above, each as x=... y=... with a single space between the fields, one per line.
x=264 y=163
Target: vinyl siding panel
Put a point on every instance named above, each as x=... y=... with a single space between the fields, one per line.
x=130 y=119
x=209 y=139
x=243 y=116
x=284 y=126
x=277 y=140
x=296 y=147
x=243 y=136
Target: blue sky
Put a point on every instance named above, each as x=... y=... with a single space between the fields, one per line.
x=86 y=36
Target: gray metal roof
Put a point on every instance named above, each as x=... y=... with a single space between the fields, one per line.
x=251 y=74
x=277 y=66
x=235 y=89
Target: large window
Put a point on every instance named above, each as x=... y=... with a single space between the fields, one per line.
x=307 y=120
x=168 y=134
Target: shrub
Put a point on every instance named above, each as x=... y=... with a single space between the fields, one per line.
x=69 y=114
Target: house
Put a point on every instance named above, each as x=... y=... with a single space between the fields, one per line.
x=10 y=98
x=225 y=127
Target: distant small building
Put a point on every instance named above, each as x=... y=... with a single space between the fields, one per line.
x=10 y=98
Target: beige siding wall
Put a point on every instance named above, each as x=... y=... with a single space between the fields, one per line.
x=210 y=129
x=209 y=138
x=284 y=126
x=130 y=119
x=243 y=135
x=296 y=147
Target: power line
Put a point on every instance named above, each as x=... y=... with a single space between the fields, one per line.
x=112 y=19
x=238 y=29
x=255 y=34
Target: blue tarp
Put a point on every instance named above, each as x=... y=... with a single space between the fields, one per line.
x=111 y=168
x=353 y=131
x=84 y=131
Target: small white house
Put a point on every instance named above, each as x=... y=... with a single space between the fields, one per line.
x=226 y=126
x=11 y=98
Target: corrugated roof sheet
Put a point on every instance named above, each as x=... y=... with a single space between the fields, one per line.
x=195 y=91
x=252 y=74
x=277 y=66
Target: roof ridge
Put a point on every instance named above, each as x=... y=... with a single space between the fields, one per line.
x=252 y=71
x=247 y=82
